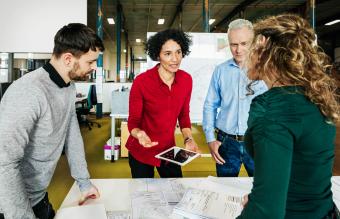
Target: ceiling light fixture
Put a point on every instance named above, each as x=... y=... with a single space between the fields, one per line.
x=332 y=22
x=110 y=20
x=138 y=40
x=211 y=21
x=161 y=21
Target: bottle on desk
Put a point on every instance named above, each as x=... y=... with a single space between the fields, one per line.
x=116 y=148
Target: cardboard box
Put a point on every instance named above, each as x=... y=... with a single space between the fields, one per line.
x=123 y=138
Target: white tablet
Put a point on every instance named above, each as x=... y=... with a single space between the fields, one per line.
x=177 y=155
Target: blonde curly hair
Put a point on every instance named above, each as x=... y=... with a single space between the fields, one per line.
x=290 y=56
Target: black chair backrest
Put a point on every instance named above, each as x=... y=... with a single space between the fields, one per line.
x=92 y=96
x=3 y=88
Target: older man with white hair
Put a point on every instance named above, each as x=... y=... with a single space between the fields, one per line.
x=227 y=104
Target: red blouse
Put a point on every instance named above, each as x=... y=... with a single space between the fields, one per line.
x=154 y=108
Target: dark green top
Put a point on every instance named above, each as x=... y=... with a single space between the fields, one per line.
x=293 y=150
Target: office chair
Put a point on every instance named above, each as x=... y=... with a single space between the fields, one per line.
x=3 y=88
x=86 y=107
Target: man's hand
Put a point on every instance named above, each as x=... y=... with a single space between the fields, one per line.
x=90 y=193
x=144 y=139
x=213 y=147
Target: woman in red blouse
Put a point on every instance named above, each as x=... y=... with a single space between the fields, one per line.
x=159 y=98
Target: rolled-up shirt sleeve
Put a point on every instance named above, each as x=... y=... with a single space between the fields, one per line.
x=211 y=104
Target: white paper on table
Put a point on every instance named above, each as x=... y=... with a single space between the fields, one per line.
x=228 y=188
x=172 y=189
x=243 y=183
x=118 y=215
x=336 y=190
x=83 y=212
x=151 y=205
x=207 y=204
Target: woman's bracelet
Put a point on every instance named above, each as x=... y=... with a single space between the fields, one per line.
x=187 y=139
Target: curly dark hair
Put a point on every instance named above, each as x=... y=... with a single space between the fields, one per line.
x=154 y=44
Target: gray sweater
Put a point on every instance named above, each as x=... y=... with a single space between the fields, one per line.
x=37 y=119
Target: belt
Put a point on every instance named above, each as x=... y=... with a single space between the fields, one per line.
x=235 y=137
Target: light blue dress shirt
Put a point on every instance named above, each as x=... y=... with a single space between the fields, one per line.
x=227 y=104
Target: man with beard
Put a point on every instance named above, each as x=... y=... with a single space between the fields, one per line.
x=38 y=119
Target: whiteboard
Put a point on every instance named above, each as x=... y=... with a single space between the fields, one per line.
x=207 y=51
x=30 y=25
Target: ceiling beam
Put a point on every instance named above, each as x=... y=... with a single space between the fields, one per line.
x=318 y=2
x=234 y=12
x=302 y=10
x=179 y=8
x=327 y=19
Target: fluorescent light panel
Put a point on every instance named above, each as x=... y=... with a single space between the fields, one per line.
x=211 y=21
x=110 y=20
x=161 y=21
x=332 y=22
x=138 y=40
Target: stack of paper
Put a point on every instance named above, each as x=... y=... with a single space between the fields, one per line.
x=336 y=191
x=172 y=189
x=206 y=204
x=211 y=199
x=118 y=215
x=150 y=205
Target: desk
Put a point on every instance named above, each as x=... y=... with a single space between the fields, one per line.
x=81 y=99
x=115 y=193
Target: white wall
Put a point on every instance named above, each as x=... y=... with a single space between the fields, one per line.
x=30 y=25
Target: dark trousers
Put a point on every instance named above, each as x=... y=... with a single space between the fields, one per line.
x=234 y=154
x=333 y=214
x=42 y=210
x=142 y=170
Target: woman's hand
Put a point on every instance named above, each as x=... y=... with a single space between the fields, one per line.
x=191 y=145
x=245 y=201
x=144 y=139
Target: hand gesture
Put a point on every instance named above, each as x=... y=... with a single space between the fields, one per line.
x=144 y=139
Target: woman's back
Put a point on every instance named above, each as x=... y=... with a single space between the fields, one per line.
x=294 y=153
